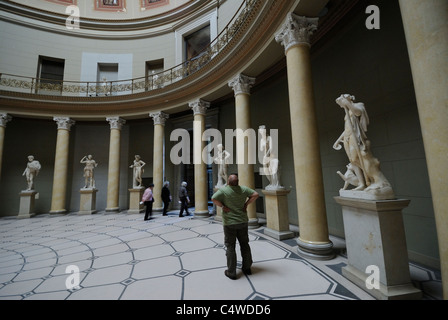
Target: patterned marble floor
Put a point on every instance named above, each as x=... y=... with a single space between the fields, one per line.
x=118 y=256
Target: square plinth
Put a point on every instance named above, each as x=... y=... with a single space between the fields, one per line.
x=376 y=247
x=277 y=220
x=27 y=201
x=135 y=196
x=87 y=201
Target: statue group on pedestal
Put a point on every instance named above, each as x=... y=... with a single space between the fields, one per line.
x=138 y=170
x=363 y=171
x=271 y=164
x=31 y=171
x=89 y=171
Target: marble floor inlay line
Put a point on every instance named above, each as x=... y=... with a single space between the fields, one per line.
x=118 y=256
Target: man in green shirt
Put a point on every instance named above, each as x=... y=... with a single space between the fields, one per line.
x=234 y=200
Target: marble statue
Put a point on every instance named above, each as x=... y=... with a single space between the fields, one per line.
x=271 y=164
x=137 y=172
x=363 y=170
x=89 y=171
x=222 y=160
x=32 y=170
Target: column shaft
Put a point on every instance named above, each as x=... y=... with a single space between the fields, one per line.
x=199 y=108
x=158 y=166
x=60 y=172
x=307 y=161
x=314 y=238
x=113 y=183
x=4 y=119
x=241 y=85
x=200 y=168
x=58 y=198
x=245 y=169
x=2 y=140
x=426 y=29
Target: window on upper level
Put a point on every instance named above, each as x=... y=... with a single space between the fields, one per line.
x=196 y=42
x=152 y=69
x=50 y=72
x=106 y=75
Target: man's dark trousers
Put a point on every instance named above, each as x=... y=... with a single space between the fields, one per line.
x=231 y=234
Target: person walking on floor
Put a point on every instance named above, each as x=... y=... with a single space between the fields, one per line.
x=184 y=199
x=166 y=197
x=234 y=200
x=148 y=200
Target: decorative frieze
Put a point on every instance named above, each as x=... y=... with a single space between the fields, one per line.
x=296 y=30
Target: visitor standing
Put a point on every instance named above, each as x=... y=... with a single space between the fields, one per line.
x=148 y=200
x=234 y=200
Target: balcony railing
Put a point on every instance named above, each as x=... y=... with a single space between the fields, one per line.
x=10 y=82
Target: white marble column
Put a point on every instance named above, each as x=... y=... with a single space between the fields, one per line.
x=241 y=85
x=61 y=165
x=158 y=173
x=314 y=238
x=113 y=182
x=4 y=119
x=199 y=108
x=426 y=29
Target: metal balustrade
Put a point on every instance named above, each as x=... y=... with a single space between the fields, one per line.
x=41 y=86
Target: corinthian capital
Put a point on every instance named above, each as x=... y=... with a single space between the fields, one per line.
x=116 y=122
x=159 y=117
x=241 y=84
x=296 y=30
x=64 y=123
x=4 y=119
x=199 y=106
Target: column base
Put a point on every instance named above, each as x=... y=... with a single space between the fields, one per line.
x=315 y=251
x=201 y=214
x=25 y=216
x=57 y=212
x=112 y=210
x=27 y=200
x=253 y=223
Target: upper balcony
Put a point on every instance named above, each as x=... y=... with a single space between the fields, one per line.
x=246 y=45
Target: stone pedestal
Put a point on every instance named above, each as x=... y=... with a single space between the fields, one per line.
x=135 y=196
x=88 y=201
x=27 y=200
x=277 y=214
x=376 y=248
